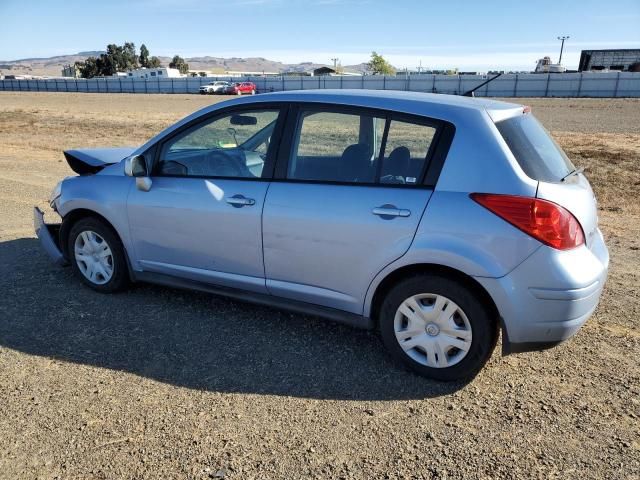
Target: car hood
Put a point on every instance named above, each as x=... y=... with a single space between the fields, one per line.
x=91 y=160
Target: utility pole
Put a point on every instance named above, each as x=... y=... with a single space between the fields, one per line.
x=562 y=38
x=335 y=63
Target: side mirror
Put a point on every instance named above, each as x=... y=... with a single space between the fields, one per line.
x=137 y=167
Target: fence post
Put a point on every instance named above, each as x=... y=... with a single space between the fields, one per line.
x=384 y=82
x=615 y=91
x=172 y=90
x=580 y=85
x=283 y=83
x=546 y=90
x=515 y=87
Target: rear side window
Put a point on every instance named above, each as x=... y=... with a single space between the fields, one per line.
x=336 y=147
x=358 y=147
x=406 y=151
x=539 y=156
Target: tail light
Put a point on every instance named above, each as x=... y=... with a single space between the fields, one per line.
x=545 y=221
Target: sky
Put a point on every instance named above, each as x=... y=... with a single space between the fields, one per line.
x=470 y=35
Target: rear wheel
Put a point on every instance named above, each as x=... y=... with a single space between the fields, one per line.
x=437 y=327
x=97 y=256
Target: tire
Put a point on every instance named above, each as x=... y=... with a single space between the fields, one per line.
x=446 y=318
x=105 y=269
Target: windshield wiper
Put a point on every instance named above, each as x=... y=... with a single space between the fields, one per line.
x=573 y=172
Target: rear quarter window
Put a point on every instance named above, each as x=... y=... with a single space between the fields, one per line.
x=539 y=156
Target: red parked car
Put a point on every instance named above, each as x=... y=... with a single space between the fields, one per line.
x=241 y=88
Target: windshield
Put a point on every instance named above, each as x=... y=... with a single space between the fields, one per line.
x=538 y=154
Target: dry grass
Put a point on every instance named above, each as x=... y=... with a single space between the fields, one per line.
x=156 y=383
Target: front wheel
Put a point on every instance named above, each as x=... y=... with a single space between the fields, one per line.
x=97 y=256
x=437 y=327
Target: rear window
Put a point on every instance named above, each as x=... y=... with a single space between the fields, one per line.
x=537 y=153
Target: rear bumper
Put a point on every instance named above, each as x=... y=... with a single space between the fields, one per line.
x=48 y=236
x=547 y=298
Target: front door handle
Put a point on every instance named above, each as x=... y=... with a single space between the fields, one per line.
x=240 y=201
x=390 y=211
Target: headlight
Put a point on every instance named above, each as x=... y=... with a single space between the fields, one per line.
x=55 y=194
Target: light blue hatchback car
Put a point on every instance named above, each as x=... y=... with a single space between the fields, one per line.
x=439 y=220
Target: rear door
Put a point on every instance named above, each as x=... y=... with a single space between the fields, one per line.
x=346 y=201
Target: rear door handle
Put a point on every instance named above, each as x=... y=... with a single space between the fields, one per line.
x=240 y=201
x=390 y=211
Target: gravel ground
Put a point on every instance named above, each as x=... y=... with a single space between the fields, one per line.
x=161 y=383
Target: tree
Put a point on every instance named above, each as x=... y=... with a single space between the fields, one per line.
x=88 y=68
x=379 y=66
x=116 y=59
x=179 y=63
x=154 y=62
x=144 y=56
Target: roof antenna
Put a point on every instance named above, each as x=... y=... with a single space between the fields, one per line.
x=470 y=92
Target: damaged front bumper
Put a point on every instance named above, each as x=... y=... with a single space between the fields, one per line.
x=48 y=234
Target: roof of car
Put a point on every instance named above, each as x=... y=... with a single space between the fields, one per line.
x=453 y=108
x=390 y=100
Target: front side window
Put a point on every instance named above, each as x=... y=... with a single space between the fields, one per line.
x=234 y=145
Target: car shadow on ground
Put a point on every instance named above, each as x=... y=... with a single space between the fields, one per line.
x=191 y=339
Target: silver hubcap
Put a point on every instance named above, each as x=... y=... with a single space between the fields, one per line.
x=94 y=257
x=433 y=330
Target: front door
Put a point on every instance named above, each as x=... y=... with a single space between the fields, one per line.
x=201 y=219
x=349 y=204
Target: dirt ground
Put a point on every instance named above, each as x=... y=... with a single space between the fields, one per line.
x=162 y=383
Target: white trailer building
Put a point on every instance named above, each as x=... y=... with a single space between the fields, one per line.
x=160 y=72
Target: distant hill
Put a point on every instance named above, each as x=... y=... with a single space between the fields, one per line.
x=52 y=66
